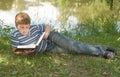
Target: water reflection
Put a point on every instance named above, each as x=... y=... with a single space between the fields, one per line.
x=57 y=13
x=43 y=12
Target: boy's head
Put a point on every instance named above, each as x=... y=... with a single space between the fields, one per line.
x=22 y=21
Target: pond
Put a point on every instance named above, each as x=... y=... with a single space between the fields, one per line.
x=57 y=13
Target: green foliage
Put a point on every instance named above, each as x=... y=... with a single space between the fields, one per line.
x=94 y=27
x=109 y=27
x=5 y=30
x=100 y=23
x=6 y=4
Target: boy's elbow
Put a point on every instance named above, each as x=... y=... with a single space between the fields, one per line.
x=16 y=52
x=14 y=49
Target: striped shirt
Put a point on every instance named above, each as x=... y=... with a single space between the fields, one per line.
x=34 y=33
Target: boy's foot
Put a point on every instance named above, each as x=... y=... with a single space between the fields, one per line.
x=109 y=55
x=107 y=52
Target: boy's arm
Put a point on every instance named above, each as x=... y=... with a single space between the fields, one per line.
x=47 y=31
x=17 y=52
x=22 y=51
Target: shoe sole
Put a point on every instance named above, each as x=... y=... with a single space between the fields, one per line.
x=110 y=55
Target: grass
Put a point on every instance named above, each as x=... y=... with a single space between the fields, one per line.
x=68 y=65
x=47 y=64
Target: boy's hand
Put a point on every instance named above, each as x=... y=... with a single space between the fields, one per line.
x=23 y=51
x=47 y=31
x=27 y=51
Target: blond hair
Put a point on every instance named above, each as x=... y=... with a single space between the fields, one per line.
x=22 y=18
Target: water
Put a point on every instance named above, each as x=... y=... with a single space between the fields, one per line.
x=59 y=13
x=44 y=11
x=40 y=12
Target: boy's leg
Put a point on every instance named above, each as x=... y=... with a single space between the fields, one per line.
x=52 y=47
x=71 y=45
x=58 y=49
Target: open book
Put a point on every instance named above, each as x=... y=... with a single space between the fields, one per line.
x=31 y=46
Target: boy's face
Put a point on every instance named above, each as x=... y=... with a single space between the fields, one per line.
x=23 y=28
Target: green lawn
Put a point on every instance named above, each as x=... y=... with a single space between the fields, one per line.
x=61 y=65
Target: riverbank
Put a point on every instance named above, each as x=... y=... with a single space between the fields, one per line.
x=57 y=65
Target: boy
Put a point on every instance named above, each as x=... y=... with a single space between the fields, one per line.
x=52 y=41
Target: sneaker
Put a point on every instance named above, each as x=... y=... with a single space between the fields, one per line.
x=107 y=52
x=109 y=55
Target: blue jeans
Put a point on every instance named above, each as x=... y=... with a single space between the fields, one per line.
x=60 y=43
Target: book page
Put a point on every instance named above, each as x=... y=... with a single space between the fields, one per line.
x=26 y=46
x=40 y=39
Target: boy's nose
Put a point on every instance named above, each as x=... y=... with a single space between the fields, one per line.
x=24 y=31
